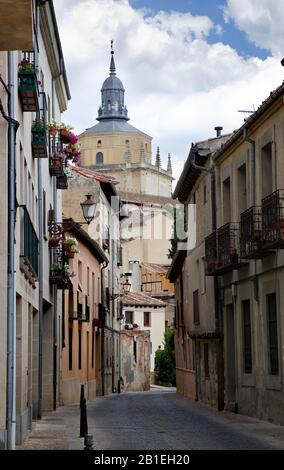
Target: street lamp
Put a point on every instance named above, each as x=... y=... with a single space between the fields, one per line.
x=126 y=286
x=88 y=208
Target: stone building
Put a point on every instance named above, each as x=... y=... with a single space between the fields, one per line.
x=234 y=275
x=249 y=260
x=198 y=340
x=148 y=314
x=81 y=328
x=135 y=360
x=35 y=74
x=105 y=230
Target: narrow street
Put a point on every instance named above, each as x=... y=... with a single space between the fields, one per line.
x=161 y=420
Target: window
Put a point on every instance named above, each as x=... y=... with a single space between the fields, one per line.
x=71 y=303
x=247 y=337
x=88 y=280
x=93 y=348
x=135 y=350
x=202 y=275
x=80 y=269
x=128 y=317
x=44 y=212
x=242 y=185
x=146 y=318
x=70 y=343
x=266 y=163
x=196 y=318
x=204 y=194
x=272 y=334
x=99 y=158
x=206 y=361
x=226 y=201
x=79 y=349
x=99 y=143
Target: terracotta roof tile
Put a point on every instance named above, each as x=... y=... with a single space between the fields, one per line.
x=156 y=268
x=93 y=175
x=140 y=299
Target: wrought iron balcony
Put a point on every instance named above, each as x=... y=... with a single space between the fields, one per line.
x=251 y=235
x=39 y=144
x=60 y=271
x=222 y=250
x=273 y=220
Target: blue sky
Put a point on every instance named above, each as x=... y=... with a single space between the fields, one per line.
x=186 y=65
x=230 y=35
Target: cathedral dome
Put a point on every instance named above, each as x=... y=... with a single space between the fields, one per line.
x=112 y=83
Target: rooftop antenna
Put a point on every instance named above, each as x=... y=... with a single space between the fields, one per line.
x=247 y=111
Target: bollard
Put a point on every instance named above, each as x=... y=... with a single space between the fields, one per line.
x=83 y=414
x=88 y=442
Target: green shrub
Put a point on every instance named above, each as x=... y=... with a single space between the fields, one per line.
x=165 y=371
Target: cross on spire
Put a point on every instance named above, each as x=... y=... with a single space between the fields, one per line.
x=112 y=63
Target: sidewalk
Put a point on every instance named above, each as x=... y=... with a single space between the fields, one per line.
x=51 y=432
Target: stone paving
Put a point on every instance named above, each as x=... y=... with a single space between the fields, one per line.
x=155 y=420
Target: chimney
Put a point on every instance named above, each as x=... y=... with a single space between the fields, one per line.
x=218 y=130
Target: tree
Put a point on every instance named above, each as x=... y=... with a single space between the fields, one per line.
x=165 y=360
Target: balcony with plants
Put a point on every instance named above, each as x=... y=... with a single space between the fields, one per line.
x=60 y=271
x=28 y=83
x=39 y=139
x=273 y=220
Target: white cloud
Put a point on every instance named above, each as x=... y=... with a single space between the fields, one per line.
x=178 y=86
x=261 y=20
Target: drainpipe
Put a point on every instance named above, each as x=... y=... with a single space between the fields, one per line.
x=11 y=293
x=220 y=361
x=54 y=312
x=103 y=331
x=40 y=288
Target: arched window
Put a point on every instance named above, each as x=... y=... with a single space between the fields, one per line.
x=99 y=158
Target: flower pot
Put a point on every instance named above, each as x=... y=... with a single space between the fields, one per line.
x=70 y=254
x=53 y=243
x=53 y=131
x=64 y=136
x=256 y=235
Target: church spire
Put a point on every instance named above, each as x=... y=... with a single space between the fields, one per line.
x=112 y=107
x=169 y=167
x=112 y=63
x=158 y=158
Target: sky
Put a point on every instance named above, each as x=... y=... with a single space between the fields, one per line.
x=186 y=65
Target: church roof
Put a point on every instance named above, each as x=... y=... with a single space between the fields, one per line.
x=113 y=125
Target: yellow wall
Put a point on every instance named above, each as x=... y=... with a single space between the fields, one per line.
x=113 y=146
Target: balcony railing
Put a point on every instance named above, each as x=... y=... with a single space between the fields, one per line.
x=59 y=268
x=222 y=251
x=29 y=255
x=251 y=235
x=273 y=220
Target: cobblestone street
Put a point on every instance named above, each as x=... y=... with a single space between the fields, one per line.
x=157 y=420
